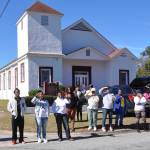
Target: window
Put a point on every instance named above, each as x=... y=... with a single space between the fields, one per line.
x=123 y=77
x=16 y=77
x=22 y=25
x=22 y=69
x=87 y=52
x=9 y=80
x=44 y=20
x=0 y=83
x=4 y=86
x=45 y=75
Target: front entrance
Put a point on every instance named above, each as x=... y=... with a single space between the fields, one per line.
x=81 y=76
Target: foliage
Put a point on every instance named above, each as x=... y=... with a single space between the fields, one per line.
x=145 y=70
x=47 y=97
x=147 y=49
x=61 y=87
x=33 y=92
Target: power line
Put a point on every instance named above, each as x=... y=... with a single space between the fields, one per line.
x=4 y=9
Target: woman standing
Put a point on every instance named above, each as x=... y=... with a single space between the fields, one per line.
x=41 y=115
x=93 y=102
x=71 y=109
x=17 y=108
x=139 y=109
x=119 y=109
x=60 y=113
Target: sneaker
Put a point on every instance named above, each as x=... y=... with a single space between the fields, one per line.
x=103 y=129
x=71 y=139
x=95 y=129
x=89 y=128
x=60 y=139
x=22 y=142
x=39 y=140
x=14 y=142
x=110 y=128
x=45 y=140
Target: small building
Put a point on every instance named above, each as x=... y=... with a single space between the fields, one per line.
x=76 y=55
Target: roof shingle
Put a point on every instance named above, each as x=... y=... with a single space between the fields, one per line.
x=40 y=7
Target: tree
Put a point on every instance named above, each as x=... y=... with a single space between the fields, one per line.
x=145 y=70
x=147 y=49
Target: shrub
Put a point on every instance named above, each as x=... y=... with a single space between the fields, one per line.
x=33 y=92
x=47 y=97
x=61 y=88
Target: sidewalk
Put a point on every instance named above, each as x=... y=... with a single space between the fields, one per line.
x=30 y=137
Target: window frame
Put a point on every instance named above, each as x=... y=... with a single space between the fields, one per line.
x=88 y=52
x=128 y=76
x=40 y=77
x=9 y=79
x=16 y=77
x=22 y=72
x=44 y=20
x=4 y=81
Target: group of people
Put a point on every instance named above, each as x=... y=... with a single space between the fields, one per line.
x=69 y=103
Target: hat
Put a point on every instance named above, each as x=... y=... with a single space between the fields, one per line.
x=93 y=90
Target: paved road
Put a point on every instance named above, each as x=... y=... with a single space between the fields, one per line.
x=84 y=141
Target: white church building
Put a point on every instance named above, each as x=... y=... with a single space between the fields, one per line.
x=76 y=55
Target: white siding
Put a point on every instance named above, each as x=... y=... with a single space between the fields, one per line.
x=97 y=71
x=120 y=63
x=23 y=86
x=45 y=39
x=22 y=36
x=36 y=62
x=74 y=39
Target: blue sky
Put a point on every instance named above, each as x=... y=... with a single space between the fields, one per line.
x=125 y=23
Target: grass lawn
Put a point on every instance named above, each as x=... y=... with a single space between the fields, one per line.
x=30 y=126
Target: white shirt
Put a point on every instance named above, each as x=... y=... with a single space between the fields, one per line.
x=93 y=102
x=139 y=103
x=59 y=105
x=108 y=100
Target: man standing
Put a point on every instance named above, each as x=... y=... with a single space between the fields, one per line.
x=17 y=108
x=108 y=99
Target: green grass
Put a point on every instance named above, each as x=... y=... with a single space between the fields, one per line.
x=30 y=125
x=3 y=105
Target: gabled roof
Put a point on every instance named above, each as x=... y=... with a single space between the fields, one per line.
x=78 y=51
x=119 y=52
x=84 y=23
x=41 y=7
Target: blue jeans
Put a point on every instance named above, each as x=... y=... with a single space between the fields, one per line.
x=92 y=117
x=41 y=126
x=110 y=113
x=119 y=117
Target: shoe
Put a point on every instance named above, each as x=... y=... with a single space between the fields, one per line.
x=39 y=140
x=111 y=129
x=45 y=141
x=103 y=129
x=22 y=142
x=14 y=142
x=71 y=139
x=60 y=139
x=73 y=130
x=89 y=128
x=95 y=129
